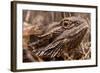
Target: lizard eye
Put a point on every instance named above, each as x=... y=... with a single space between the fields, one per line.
x=65 y=24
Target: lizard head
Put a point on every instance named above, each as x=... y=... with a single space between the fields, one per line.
x=69 y=33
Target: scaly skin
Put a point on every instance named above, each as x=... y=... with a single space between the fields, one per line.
x=65 y=35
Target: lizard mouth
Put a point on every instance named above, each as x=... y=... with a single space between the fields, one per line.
x=76 y=38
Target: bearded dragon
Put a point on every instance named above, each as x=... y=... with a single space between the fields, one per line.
x=64 y=35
